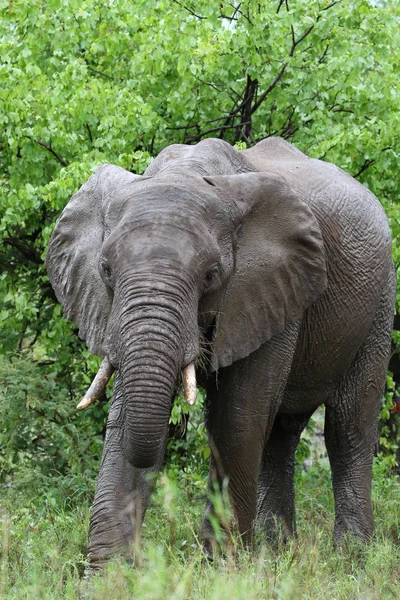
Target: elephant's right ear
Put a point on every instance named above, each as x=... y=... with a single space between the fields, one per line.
x=73 y=255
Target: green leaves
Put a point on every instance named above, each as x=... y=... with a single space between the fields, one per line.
x=42 y=437
x=86 y=84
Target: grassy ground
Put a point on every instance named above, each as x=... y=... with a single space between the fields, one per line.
x=44 y=551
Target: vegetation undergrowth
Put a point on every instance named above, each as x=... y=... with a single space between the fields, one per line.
x=44 y=545
x=49 y=458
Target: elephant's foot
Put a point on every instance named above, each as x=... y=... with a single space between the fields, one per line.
x=225 y=553
x=112 y=539
x=276 y=528
x=223 y=539
x=350 y=527
x=216 y=537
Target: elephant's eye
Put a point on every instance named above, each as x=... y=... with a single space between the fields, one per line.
x=106 y=269
x=212 y=277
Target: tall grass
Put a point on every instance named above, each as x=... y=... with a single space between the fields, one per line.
x=43 y=554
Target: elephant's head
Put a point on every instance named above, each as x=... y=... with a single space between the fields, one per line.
x=155 y=269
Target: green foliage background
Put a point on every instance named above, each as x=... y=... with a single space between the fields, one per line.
x=88 y=82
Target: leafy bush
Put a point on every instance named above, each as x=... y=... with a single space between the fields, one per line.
x=46 y=446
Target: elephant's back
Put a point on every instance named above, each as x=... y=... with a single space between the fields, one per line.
x=353 y=223
x=330 y=192
x=358 y=253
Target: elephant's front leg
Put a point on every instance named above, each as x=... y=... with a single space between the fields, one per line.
x=236 y=444
x=122 y=495
x=242 y=402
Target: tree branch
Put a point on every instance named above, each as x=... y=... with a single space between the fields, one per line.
x=332 y=4
x=367 y=163
x=277 y=79
x=203 y=133
x=227 y=17
x=189 y=10
x=269 y=89
x=281 y=3
x=89 y=132
x=248 y=103
x=346 y=110
x=45 y=363
x=237 y=10
x=209 y=84
x=245 y=121
x=28 y=253
x=60 y=159
x=295 y=42
x=98 y=72
x=248 y=95
x=323 y=56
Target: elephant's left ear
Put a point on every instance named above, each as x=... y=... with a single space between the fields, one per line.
x=280 y=263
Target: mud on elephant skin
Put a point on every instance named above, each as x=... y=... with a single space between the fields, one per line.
x=272 y=267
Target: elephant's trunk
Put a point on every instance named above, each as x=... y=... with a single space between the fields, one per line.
x=154 y=338
x=148 y=379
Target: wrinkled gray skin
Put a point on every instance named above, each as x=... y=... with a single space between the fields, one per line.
x=275 y=269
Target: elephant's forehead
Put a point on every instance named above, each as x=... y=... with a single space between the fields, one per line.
x=196 y=209
x=183 y=225
x=157 y=195
x=162 y=229
x=170 y=210
x=151 y=243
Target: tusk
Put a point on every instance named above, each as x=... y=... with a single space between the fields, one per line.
x=99 y=384
x=189 y=384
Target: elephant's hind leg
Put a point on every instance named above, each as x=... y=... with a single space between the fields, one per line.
x=351 y=426
x=275 y=501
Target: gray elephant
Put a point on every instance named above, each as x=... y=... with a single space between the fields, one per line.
x=269 y=271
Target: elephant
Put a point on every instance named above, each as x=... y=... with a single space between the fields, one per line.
x=269 y=276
